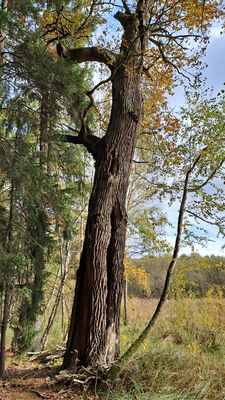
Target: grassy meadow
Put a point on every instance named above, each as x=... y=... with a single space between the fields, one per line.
x=183 y=359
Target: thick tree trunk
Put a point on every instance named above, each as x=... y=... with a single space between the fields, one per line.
x=94 y=330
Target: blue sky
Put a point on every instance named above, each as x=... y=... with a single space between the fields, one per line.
x=214 y=244
x=215 y=74
x=215 y=71
x=216 y=60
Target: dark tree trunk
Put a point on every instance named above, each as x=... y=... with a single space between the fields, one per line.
x=4 y=9
x=94 y=330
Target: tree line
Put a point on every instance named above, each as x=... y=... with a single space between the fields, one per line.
x=194 y=276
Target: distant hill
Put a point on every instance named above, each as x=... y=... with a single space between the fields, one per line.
x=195 y=274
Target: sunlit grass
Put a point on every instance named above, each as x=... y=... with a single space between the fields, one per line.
x=184 y=356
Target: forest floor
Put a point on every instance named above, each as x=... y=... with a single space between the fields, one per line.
x=27 y=380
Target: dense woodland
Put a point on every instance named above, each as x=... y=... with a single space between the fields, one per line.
x=90 y=153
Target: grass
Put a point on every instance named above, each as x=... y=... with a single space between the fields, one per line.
x=184 y=357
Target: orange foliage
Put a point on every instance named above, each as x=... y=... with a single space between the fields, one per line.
x=137 y=274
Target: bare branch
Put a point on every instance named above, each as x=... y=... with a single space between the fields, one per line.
x=141 y=162
x=194 y=189
x=115 y=370
x=165 y=58
x=100 y=84
x=127 y=10
x=88 y=16
x=205 y=220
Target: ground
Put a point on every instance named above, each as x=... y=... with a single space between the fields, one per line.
x=27 y=380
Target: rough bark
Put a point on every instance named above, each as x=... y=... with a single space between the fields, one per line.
x=87 y=53
x=94 y=330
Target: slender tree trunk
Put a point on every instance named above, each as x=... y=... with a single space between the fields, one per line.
x=64 y=268
x=53 y=290
x=4 y=7
x=116 y=368
x=125 y=302
x=6 y=306
x=51 y=319
x=40 y=231
x=1 y=305
x=4 y=330
x=29 y=321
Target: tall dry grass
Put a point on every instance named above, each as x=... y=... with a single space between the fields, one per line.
x=184 y=355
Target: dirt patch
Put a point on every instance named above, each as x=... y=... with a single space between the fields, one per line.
x=29 y=380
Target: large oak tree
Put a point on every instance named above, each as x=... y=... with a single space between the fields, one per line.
x=156 y=42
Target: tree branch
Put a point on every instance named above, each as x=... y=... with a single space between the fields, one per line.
x=87 y=54
x=165 y=58
x=201 y=218
x=91 y=142
x=88 y=16
x=117 y=367
x=194 y=189
x=127 y=10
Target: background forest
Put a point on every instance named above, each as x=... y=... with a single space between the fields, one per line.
x=48 y=113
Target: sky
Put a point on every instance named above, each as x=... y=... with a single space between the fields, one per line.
x=213 y=246
x=215 y=71
x=215 y=74
x=216 y=60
